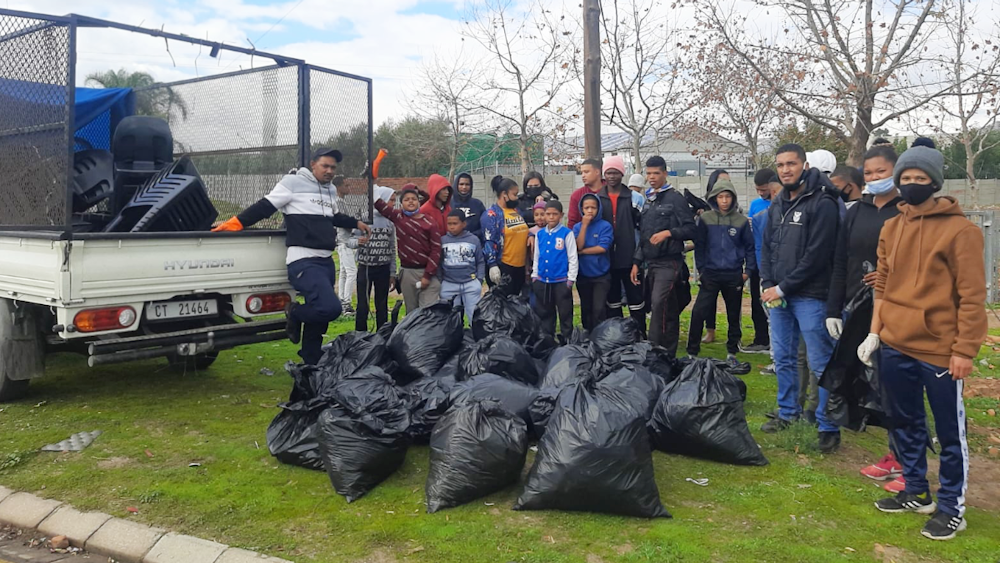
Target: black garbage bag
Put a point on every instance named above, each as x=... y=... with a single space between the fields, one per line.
x=308 y=383
x=291 y=436
x=696 y=202
x=541 y=348
x=514 y=396
x=642 y=354
x=427 y=401
x=500 y=355
x=595 y=456
x=611 y=334
x=639 y=385
x=364 y=437
x=580 y=335
x=477 y=449
x=855 y=393
x=685 y=362
x=568 y=364
x=352 y=351
x=385 y=331
x=497 y=313
x=700 y=414
x=424 y=341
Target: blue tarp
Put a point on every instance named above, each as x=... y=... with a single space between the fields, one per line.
x=98 y=111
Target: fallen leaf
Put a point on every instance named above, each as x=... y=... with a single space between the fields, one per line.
x=149 y=454
x=804 y=486
x=59 y=542
x=417 y=549
x=132 y=509
x=995 y=452
x=995 y=439
x=850 y=549
x=991 y=412
x=548 y=539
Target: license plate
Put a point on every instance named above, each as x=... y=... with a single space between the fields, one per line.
x=166 y=310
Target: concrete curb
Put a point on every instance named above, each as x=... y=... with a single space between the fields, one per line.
x=123 y=540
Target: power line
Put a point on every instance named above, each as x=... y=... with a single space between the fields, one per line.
x=274 y=25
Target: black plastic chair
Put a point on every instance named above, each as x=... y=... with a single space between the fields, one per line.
x=175 y=200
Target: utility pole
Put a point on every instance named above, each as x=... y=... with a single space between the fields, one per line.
x=592 y=78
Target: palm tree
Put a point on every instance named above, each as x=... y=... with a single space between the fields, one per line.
x=156 y=102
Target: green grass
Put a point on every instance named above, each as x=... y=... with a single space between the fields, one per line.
x=803 y=507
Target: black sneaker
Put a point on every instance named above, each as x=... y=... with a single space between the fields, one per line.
x=810 y=417
x=768 y=370
x=756 y=349
x=776 y=425
x=293 y=328
x=943 y=526
x=737 y=367
x=829 y=442
x=907 y=502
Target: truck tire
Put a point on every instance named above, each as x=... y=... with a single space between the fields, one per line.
x=22 y=349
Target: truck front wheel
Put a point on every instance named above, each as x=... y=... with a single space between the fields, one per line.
x=22 y=349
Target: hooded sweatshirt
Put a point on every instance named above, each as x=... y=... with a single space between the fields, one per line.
x=311 y=215
x=599 y=233
x=432 y=208
x=723 y=242
x=419 y=242
x=932 y=282
x=462 y=258
x=623 y=216
x=472 y=207
x=381 y=246
x=857 y=243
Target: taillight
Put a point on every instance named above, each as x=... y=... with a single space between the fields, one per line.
x=268 y=302
x=111 y=318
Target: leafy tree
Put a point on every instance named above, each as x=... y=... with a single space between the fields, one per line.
x=158 y=102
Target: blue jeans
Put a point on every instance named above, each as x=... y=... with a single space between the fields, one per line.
x=805 y=316
x=468 y=293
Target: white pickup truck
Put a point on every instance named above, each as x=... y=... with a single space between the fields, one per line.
x=183 y=296
x=107 y=196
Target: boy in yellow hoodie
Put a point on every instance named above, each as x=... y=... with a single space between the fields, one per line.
x=930 y=320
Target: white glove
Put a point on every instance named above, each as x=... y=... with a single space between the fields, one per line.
x=418 y=284
x=835 y=327
x=868 y=348
x=495 y=275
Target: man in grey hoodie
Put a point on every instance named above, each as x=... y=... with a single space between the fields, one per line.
x=463 y=266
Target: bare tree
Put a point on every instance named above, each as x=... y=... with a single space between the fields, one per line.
x=733 y=99
x=971 y=109
x=529 y=63
x=850 y=66
x=641 y=80
x=445 y=91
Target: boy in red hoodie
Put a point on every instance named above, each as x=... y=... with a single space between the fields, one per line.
x=418 y=242
x=438 y=206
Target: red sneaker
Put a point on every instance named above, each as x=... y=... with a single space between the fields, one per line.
x=887 y=468
x=897 y=485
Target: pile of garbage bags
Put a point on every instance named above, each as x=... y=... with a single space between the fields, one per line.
x=597 y=405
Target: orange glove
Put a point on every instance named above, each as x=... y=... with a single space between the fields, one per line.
x=230 y=225
x=382 y=153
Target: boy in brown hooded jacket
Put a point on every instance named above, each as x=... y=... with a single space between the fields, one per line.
x=930 y=318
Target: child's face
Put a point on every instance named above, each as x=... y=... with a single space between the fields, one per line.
x=590 y=208
x=444 y=196
x=411 y=202
x=552 y=217
x=455 y=226
x=539 y=216
x=724 y=201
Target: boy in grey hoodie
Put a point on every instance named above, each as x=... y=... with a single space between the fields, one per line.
x=463 y=265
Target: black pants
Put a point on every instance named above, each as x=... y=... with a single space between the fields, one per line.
x=664 y=321
x=593 y=300
x=761 y=335
x=712 y=284
x=377 y=278
x=316 y=280
x=621 y=284
x=552 y=298
x=511 y=279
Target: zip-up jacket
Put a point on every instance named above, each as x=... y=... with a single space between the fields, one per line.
x=667 y=210
x=472 y=207
x=724 y=241
x=599 y=233
x=796 y=255
x=462 y=258
x=624 y=220
x=857 y=243
x=493 y=227
x=310 y=210
x=417 y=239
x=555 y=255
x=431 y=207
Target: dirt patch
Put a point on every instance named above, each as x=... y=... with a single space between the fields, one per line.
x=591 y=558
x=624 y=549
x=378 y=556
x=981 y=387
x=114 y=463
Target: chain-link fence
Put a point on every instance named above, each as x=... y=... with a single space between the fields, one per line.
x=35 y=90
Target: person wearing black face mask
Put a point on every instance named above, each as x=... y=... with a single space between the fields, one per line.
x=849 y=182
x=505 y=239
x=929 y=320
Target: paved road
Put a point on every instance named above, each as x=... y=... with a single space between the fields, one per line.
x=14 y=551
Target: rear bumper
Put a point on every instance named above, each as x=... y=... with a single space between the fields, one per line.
x=184 y=342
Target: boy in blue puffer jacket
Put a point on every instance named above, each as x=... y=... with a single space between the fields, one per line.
x=725 y=255
x=594 y=237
